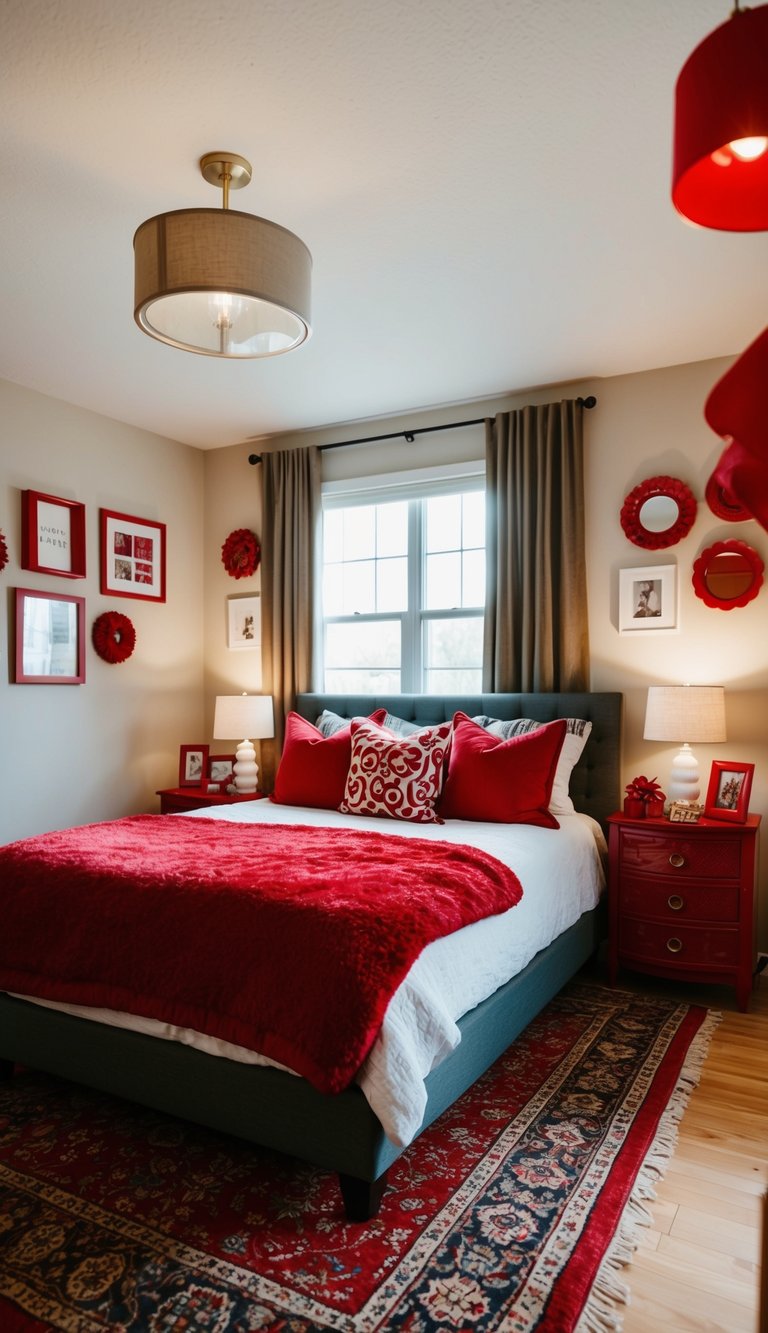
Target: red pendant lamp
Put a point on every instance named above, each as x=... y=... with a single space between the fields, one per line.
x=720 y=167
x=737 y=411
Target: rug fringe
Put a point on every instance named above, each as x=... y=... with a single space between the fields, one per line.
x=602 y=1314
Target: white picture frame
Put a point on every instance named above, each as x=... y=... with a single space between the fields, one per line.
x=648 y=599
x=244 y=622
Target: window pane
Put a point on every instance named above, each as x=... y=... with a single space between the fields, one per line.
x=333 y=599
x=443 y=581
x=392 y=529
x=452 y=682
x=370 y=644
x=358 y=587
x=473 y=530
x=359 y=532
x=455 y=644
x=474 y=578
x=363 y=682
x=443 y=523
x=392 y=585
x=333 y=535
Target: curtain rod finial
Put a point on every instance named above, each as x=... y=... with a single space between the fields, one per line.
x=253 y=459
x=591 y=401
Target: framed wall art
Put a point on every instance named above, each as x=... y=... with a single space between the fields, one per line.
x=221 y=767
x=52 y=535
x=728 y=792
x=244 y=622
x=50 y=638
x=132 y=556
x=647 y=599
x=193 y=765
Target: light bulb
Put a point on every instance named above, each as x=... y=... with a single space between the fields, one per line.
x=747 y=150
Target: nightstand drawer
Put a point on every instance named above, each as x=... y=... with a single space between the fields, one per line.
x=643 y=896
x=659 y=942
x=662 y=853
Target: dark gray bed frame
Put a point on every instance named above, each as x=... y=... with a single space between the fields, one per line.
x=278 y=1110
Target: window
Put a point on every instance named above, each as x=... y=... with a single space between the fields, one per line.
x=404 y=587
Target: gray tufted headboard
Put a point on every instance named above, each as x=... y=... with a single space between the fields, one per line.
x=596 y=779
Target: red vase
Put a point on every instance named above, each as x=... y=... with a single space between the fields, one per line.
x=634 y=808
x=654 y=809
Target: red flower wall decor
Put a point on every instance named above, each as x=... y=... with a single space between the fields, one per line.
x=114 y=636
x=241 y=553
x=3 y=552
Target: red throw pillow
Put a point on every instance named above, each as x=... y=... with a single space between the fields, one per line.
x=503 y=782
x=396 y=776
x=313 y=768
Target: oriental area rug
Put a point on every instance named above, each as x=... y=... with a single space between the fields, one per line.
x=515 y=1211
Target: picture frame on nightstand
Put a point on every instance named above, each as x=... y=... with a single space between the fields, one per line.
x=730 y=784
x=193 y=766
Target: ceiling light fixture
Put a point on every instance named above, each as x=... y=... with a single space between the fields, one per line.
x=220 y=282
x=720 y=169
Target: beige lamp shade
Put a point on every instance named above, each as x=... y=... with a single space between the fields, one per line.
x=221 y=283
x=239 y=716
x=684 y=713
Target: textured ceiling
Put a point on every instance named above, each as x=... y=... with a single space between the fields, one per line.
x=483 y=184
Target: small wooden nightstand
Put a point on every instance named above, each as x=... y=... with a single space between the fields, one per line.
x=175 y=799
x=682 y=900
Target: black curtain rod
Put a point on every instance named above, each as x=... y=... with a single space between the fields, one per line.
x=410 y=435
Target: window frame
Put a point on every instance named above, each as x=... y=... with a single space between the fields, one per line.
x=416 y=485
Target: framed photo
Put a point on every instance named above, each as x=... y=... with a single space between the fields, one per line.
x=244 y=622
x=221 y=768
x=728 y=793
x=52 y=535
x=193 y=766
x=647 y=599
x=132 y=556
x=50 y=638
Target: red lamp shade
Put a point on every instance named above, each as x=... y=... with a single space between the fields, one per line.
x=720 y=167
x=737 y=410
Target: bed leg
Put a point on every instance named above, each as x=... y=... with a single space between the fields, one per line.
x=6 y=1069
x=362 y=1198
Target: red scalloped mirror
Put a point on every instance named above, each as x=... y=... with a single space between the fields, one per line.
x=658 y=513
x=727 y=575
x=723 y=503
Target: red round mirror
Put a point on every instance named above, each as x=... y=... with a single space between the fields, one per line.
x=659 y=512
x=727 y=575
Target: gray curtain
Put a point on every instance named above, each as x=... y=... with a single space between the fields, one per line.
x=536 y=633
x=290 y=536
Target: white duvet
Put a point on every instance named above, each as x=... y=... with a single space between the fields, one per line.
x=561 y=871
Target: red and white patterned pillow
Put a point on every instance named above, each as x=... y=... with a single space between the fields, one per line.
x=399 y=777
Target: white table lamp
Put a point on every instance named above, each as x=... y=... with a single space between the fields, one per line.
x=244 y=715
x=685 y=713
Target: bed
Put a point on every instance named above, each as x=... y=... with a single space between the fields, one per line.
x=270 y=1105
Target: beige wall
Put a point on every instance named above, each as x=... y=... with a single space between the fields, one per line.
x=644 y=425
x=73 y=754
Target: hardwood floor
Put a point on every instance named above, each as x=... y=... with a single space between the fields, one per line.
x=697 y=1269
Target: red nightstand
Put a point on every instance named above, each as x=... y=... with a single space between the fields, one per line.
x=682 y=900
x=175 y=799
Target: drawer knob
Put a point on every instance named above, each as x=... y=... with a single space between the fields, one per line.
x=677 y=859
x=674 y=945
x=675 y=902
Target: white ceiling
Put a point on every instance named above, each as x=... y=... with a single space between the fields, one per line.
x=483 y=185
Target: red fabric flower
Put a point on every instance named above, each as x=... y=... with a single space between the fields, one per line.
x=645 y=789
x=241 y=553
x=3 y=552
x=114 y=636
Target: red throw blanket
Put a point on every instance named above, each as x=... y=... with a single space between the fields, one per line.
x=287 y=940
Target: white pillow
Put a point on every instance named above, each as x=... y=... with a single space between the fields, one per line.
x=576 y=737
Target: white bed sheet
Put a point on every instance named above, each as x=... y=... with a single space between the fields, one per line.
x=562 y=875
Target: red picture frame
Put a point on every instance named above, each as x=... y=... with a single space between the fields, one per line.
x=52 y=535
x=50 y=638
x=132 y=556
x=730 y=784
x=193 y=765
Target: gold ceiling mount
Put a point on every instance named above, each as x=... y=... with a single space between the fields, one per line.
x=227 y=171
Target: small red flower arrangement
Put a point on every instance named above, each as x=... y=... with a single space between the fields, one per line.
x=114 y=636
x=644 y=799
x=3 y=552
x=241 y=553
